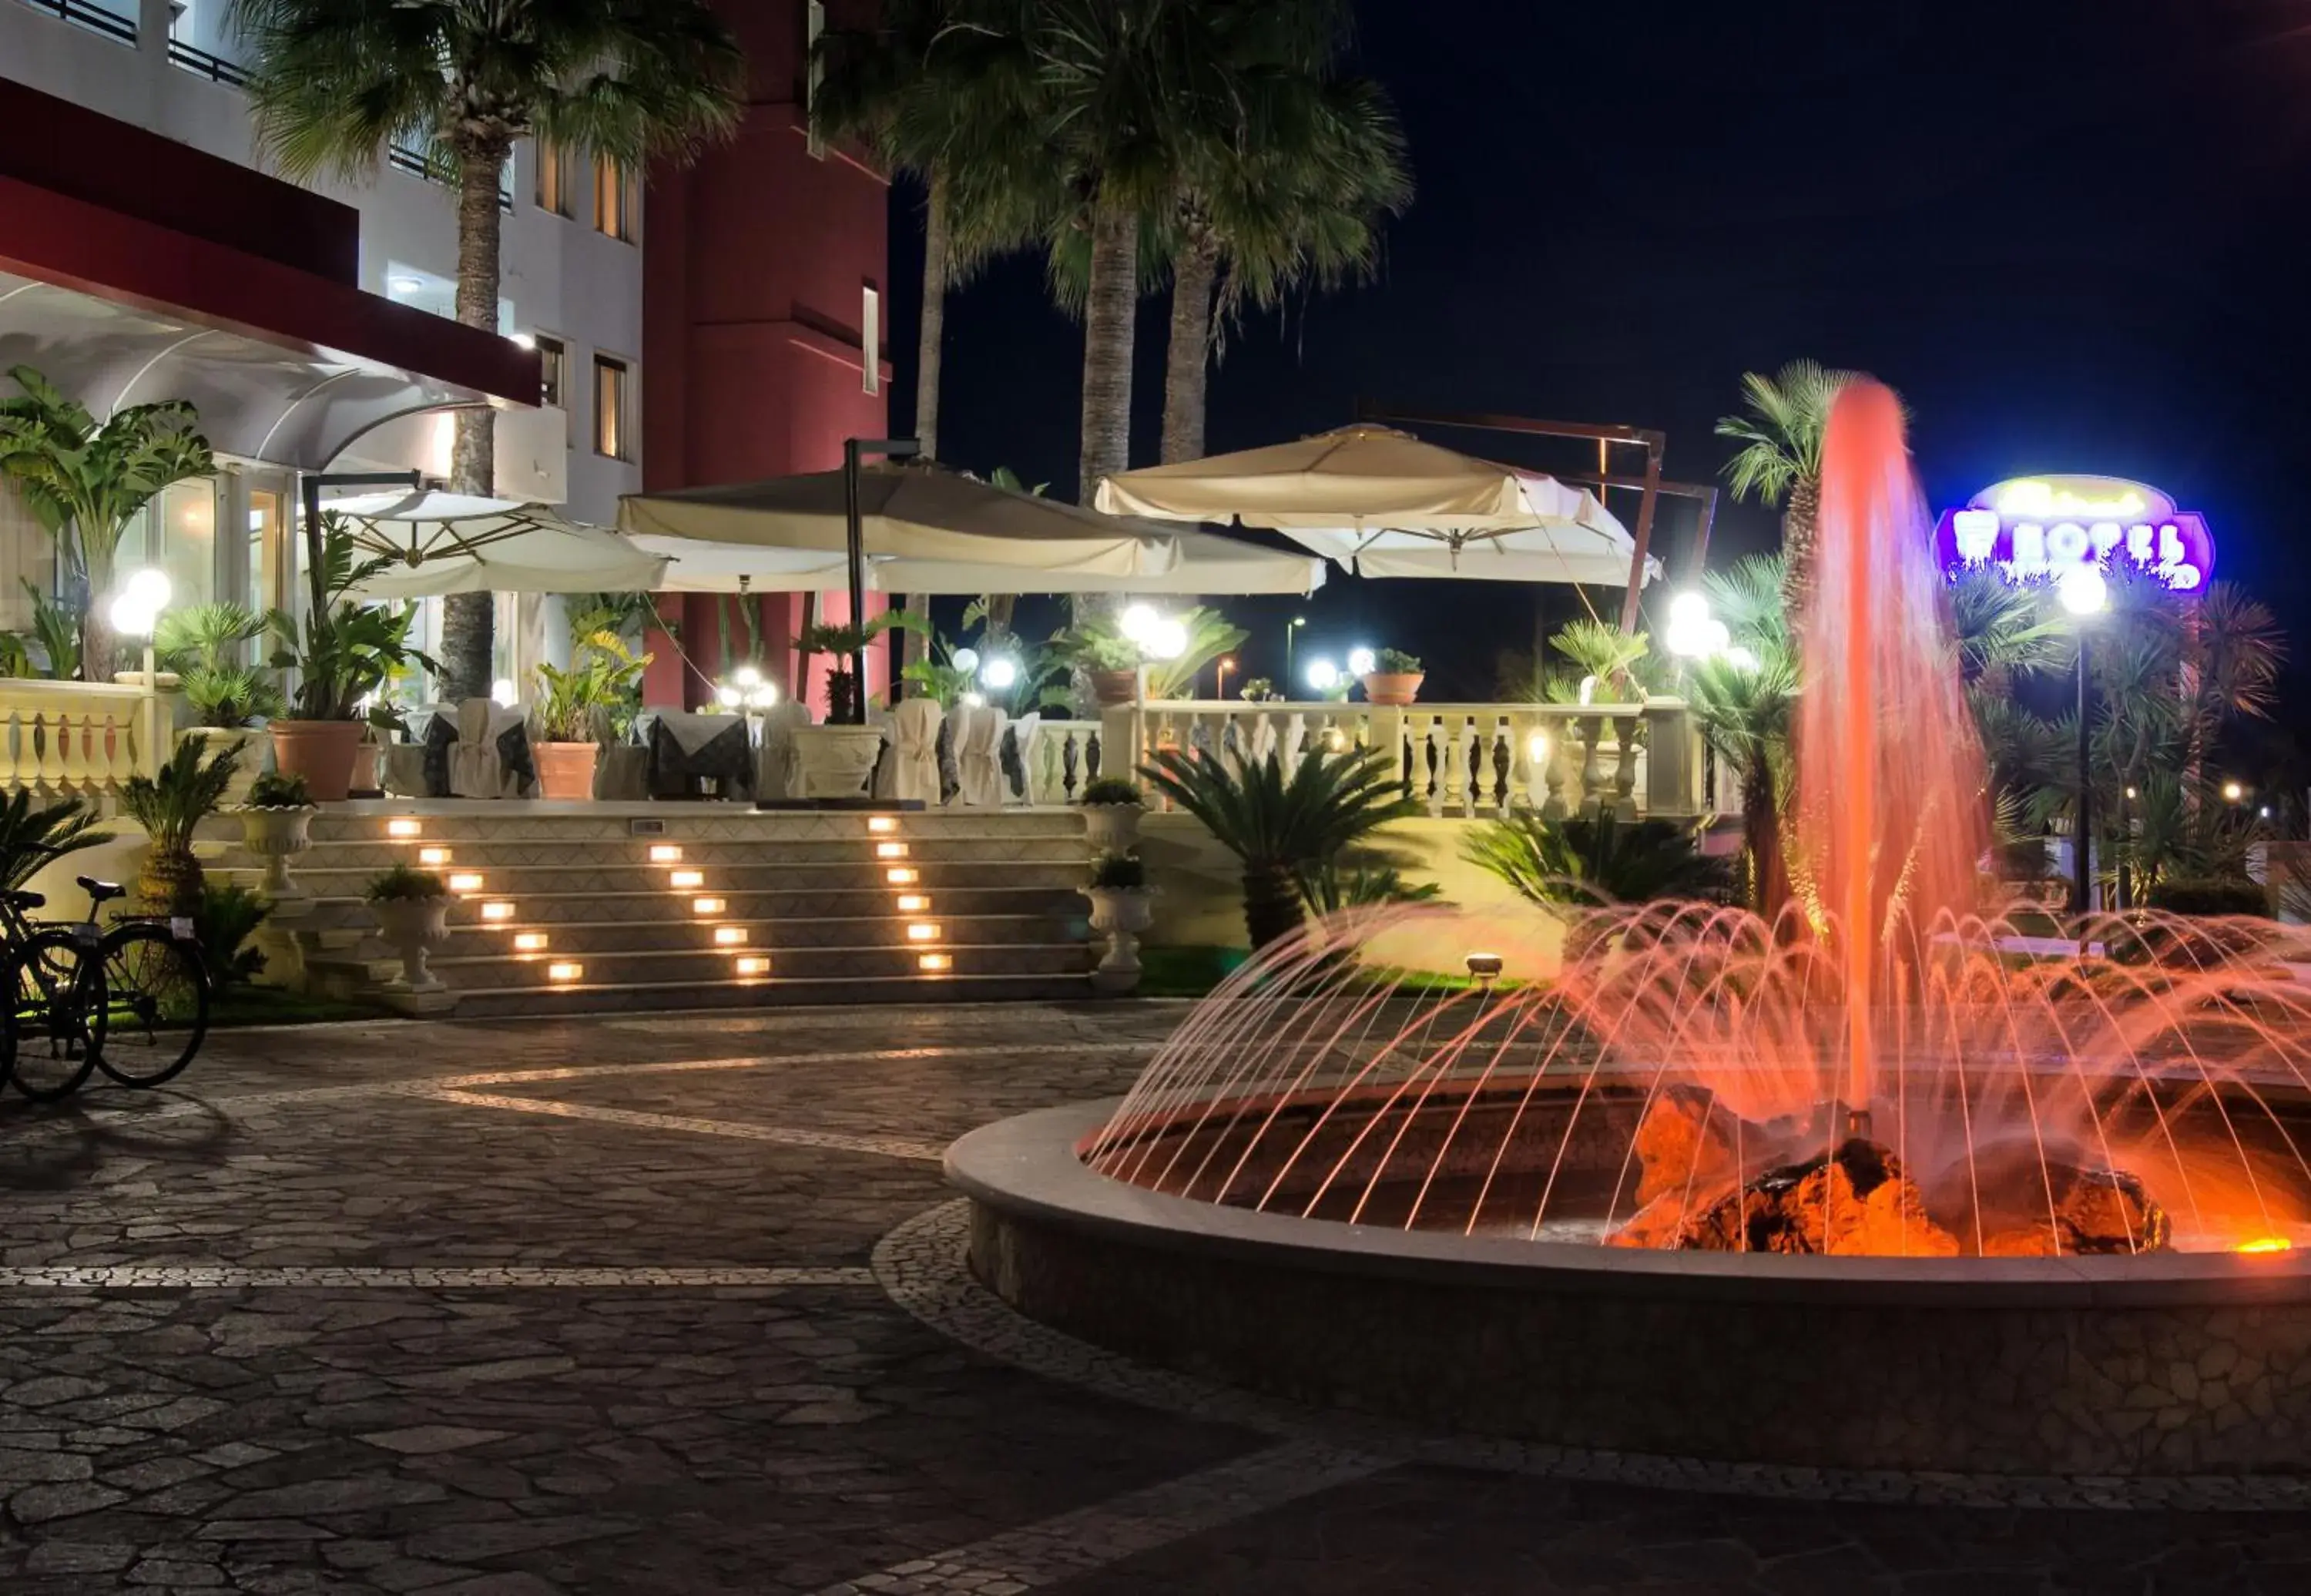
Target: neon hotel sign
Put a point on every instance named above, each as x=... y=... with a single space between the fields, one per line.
x=2039 y=527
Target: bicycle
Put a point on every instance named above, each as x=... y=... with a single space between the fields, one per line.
x=131 y=999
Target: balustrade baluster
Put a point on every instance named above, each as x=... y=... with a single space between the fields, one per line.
x=1625 y=776
x=1592 y=775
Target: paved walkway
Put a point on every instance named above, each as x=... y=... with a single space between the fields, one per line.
x=519 y=1308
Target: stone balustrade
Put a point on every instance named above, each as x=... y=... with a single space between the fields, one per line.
x=81 y=739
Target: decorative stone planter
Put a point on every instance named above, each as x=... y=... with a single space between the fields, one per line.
x=320 y=751
x=1112 y=828
x=1123 y=913
x=276 y=836
x=1112 y=688
x=412 y=927
x=1392 y=688
x=216 y=741
x=367 y=757
x=565 y=770
x=836 y=759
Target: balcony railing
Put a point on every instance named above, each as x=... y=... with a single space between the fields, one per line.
x=403 y=159
x=200 y=63
x=1472 y=761
x=96 y=19
x=81 y=739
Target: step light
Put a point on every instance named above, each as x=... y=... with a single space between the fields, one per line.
x=466 y=881
x=935 y=964
x=882 y=825
x=564 y=970
x=684 y=880
x=404 y=828
x=890 y=850
x=729 y=936
x=923 y=930
x=900 y=878
x=666 y=853
x=498 y=910
x=706 y=905
x=754 y=964
x=529 y=942
x=914 y=903
x=434 y=856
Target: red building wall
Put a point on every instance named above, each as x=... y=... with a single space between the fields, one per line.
x=752 y=365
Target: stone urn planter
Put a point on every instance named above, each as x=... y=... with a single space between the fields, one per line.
x=835 y=760
x=565 y=770
x=1111 y=688
x=1112 y=828
x=276 y=836
x=412 y=927
x=320 y=751
x=1121 y=913
x=216 y=741
x=1395 y=689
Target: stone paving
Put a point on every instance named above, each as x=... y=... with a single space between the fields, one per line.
x=640 y=1305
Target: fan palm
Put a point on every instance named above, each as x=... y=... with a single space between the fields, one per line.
x=171 y=806
x=1745 y=708
x=337 y=82
x=85 y=483
x=208 y=645
x=1282 y=828
x=1780 y=428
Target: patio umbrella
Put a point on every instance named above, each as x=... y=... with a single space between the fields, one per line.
x=456 y=543
x=1384 y=503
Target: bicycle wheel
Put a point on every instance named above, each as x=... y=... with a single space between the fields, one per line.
x=156 y=1004
x=52 y=1024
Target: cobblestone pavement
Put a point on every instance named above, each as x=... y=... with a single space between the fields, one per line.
x=526 y=1308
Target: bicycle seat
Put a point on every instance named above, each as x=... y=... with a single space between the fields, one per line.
x=100 y=891
x=24 y=899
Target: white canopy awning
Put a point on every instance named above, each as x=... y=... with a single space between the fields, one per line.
x=455 y=543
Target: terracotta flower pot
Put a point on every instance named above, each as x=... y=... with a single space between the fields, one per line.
x=1113 y=687
x=320 y=751
x=1393 y=688
x=565 y=770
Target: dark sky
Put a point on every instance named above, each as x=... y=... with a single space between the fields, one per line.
x=2068 y=231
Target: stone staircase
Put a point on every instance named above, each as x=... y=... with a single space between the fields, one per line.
x=565 y=908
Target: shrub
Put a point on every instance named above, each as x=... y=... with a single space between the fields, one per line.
x=1112 y=789
x=1119 y=872
x=404 y=883
x=2211 y=894
x=273 y=790
x=1396 y=662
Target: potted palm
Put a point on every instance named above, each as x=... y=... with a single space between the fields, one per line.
x=574 y=706
x=276 y=818
x=171 y=806
x=1396 y=680
x=344 y=654
x=839 y=756
x=1111 y=809
x=1121 y=906
x=411 y=910
x=1109 y=660
x=207 y=646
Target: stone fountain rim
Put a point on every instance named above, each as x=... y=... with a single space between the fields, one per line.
x=1031 y=1167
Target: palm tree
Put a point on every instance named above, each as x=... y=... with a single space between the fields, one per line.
x=1745 y=703
x=1290 y=194
x=85 y=483
x=1284 y=830
x=933 y=92
x=337 y=82
x=1780 y=427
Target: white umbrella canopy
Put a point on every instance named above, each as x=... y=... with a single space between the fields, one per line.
x=457 y=543
x=1201 y=563
x=1384 y=503
x=943 y=524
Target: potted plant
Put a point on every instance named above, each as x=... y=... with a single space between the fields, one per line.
x=207 y=646
x=1121 y=906
x=1111 y=807
x=171 y=806
x=411 y=910
x=344 y=653
x=837 y=758
x=1109 y=660
x=276 y=816
x=573 y=707
x=1396 y=680
x=1258 y=690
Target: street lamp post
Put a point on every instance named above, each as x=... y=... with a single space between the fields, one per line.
x=1219 y=677
x=1290 y=632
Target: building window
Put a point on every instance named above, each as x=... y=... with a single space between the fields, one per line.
x=616 y=200
x=871 y=339
x=612 y=435
x=553 y=184
x=550 y=358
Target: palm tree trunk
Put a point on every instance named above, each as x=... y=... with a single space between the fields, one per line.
x=1187 y=365
x=1110 y=309
x=931 y=340
x=1761 y=824
x=1798 y=523
x=1272 y=910
x=469 y=620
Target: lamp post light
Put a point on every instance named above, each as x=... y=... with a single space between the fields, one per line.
x=1224 y=664
x=2084 y=593
x=1290 y=633
x=135 y=611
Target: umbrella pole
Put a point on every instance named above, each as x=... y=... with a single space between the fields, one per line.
x=856 y=544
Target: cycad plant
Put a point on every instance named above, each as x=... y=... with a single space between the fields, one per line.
x=1283 y=828
x=171 y=806
x=31 y=836
x=1582 y=866
x=207 y=646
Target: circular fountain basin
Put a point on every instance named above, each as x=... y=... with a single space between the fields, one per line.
x=2170 y=1364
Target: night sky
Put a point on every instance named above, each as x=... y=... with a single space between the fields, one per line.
x=2068 y=232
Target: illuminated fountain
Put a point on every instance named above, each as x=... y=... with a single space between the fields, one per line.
x=1863 y=1185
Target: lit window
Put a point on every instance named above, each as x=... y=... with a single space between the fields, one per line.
x=610 y=425
x=553 y=184
x=870 y=340
x=552 y=356
x=616 y=200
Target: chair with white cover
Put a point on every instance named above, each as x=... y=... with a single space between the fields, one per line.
x=1019 y=746
x=778 y=765
x=913 y=764
x=978 y=755
x=492 y=758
